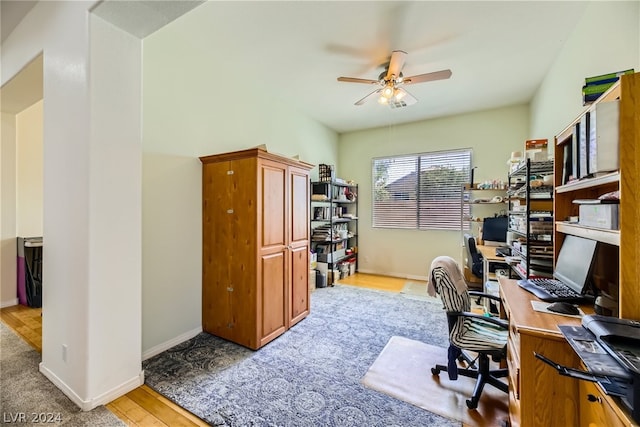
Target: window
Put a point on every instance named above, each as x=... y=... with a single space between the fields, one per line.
x=420 y=191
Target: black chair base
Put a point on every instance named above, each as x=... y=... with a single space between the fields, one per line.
x=483 y=374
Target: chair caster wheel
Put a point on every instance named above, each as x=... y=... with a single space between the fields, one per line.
x=435 y=371
x=471 y=404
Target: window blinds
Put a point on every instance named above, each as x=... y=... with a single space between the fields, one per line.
x=421 y=191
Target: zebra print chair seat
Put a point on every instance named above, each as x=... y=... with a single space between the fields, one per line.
x=468 y=331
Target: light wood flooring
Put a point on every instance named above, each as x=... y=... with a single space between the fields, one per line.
x=373 y=281
x=143 y=407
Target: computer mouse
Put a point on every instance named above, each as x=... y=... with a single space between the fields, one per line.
x=563 y=307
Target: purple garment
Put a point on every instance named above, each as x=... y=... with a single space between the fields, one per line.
x=22 y=281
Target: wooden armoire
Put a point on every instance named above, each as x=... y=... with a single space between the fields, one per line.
x=255 y=245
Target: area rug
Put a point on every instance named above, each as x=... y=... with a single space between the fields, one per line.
x=403 y=370
x=28 y=398
x=309 y=376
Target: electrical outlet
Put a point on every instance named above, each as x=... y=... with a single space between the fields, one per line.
x=64 y=352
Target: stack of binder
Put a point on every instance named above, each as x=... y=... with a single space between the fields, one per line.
x=597 y=85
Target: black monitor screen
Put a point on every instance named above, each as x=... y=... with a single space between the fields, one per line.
x=574 y=261
x=494 y=229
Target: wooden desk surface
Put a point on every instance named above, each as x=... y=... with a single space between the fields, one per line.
x=525 y=319
x=541 y=333
x=489 y=252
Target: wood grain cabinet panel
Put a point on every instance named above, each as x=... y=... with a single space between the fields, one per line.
x=599 y=410
x=538 y=395
x=255 y=252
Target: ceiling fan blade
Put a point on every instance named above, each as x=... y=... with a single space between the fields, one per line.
x=356 y=80
x=371 y=95
x=396 y=63
x=428 y=77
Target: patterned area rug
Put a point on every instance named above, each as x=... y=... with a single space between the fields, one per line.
x=311 y=375
x=28 y=398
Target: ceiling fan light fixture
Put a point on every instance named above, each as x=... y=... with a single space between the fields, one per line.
x=391 y=81
x=388 y=91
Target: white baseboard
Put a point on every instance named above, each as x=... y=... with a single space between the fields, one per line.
x=103 y=399
x=9 y=303
x=171 y=343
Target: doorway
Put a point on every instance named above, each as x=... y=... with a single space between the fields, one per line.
x=21 y=169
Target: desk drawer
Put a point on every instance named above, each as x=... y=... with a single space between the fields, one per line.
x=595 y=409
x=514 y=375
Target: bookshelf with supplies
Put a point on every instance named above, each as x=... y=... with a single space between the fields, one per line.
x=334 y=229
x=615 y=270
x=531 y=219
x=612 y=128
x=478 y=202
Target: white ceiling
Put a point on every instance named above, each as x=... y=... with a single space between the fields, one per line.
x=498 y=51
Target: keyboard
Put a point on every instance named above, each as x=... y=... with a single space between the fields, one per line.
x=552 y=290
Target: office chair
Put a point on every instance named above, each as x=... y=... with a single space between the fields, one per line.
x=486 y=336
x=474 y=258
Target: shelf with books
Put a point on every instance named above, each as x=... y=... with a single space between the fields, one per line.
x=531 y=218
x=616 y=266
x=334 y=228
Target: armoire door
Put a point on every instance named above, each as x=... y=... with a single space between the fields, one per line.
x=298 y=244
x=272 y=233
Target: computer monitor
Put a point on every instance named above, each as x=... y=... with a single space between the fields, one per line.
x=575 y=261
x=494 y=230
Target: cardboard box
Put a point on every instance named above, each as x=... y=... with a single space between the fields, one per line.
x=602 y=143
x=599 y=216
x=532 y=144
x=312 y=280
x=536 y=149
x=313 y=260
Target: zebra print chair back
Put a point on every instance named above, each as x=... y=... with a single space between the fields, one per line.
x=465 y=332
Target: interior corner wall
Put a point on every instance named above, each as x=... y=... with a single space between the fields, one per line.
x=88 y=352
x=184 y=119
x=115 y=203
x=8 y=244
x=606 y=39
x=29 y=169
x=491 y=134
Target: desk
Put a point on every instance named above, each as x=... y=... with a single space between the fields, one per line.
x=489 y=258
x=538 y=395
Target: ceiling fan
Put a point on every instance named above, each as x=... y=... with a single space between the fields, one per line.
x=391 y=80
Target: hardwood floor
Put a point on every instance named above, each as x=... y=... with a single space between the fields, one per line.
x=143 y=407
x=373 y=281
x=26 y=321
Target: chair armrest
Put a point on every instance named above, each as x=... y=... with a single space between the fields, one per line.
x=502 y=323
x=483 y=295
